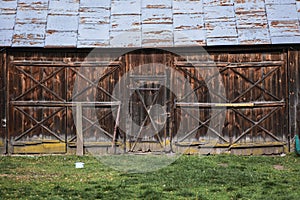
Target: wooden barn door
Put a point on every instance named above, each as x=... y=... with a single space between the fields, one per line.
x=149 y=104
x=254 y=105
x=37 y=115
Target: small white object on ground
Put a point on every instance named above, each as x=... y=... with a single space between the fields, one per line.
x=79 y=165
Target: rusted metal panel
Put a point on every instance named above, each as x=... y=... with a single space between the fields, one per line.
x=125 y=7
x=8 y=10
x=251 y=15
x=95 y=4
x=281 y=2
x=187 y=7
x=252 y=24
x=62 y=23
x=281 y=12
x=61 y=34
x=188 y=21
x=220 y=24
x=6 y=37
x=94 y=15
x=155 y=35
x=157 y=16
x=93 y=25
x=61 y=39
x=66 y=7
x=93 y=32
x=253 y=36
x=191 y=37
x=218 y=2
x=125 y=38
x=125 y=23
x=283 y=22
x=30 y=25
x=7 y=21
x=8 y=6
x=163 y=4
x=219 y=12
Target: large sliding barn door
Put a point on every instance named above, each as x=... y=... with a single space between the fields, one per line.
x=51 y=91
x=37 y=113
x=253 y=107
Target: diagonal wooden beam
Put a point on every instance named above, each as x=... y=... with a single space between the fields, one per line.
x=38 y=123
x=255 y=84
x=256 y=124
x=253 y=122
x=40 y=82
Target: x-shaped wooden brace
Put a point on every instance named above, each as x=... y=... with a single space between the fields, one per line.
x=255 y=84
x=93 y=124
x=39 y=83
x=202 y=83
x=39 y=123
x=203 y=124
x=94 y=83
x=256 y=124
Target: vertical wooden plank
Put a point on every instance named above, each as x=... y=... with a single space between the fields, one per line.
x=3 y=143
x=79 y=143
x=293 y=78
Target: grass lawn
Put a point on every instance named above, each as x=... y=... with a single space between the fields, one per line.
x=189 y=177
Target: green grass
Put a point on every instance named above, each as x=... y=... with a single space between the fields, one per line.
x=189 y=177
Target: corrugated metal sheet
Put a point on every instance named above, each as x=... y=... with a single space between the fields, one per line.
x=151 y=23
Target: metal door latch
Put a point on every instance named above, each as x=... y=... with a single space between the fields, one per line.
x=3 y=123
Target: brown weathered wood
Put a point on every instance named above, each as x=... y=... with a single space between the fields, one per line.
x=294 y=89
x=79 y=132
x=232 y=105
x=42 y=82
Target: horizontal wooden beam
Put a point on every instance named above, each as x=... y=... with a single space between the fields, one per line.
x=228 y=105
x=63 y=104
x=227 y=64
x=65 y=64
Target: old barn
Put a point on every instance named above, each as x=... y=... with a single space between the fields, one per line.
x=149 y=76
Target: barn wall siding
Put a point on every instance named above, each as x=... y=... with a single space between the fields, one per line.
x=2 y=103
x=40 y=86
x=294 y=90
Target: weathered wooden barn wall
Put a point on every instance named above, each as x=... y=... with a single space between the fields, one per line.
x=2 y=104
x=294 y=90
x=261 y=101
